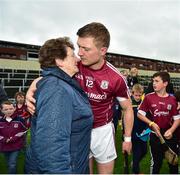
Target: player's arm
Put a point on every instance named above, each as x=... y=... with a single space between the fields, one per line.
x=142 y=116
x=30 y=100
x=128 y=124
x=169 y=133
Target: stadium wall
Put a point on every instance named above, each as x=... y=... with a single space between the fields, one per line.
x=150 y=73
x=19 y=64
x=34 y=65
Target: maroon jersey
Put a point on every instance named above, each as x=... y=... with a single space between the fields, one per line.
x=162 y=109
x=23 y=112
x=102 y=87
x=14 y=130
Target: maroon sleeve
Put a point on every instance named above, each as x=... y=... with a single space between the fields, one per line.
x=121 y=88
x=144 y=106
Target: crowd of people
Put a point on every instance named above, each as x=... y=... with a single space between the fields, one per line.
x=75 y=107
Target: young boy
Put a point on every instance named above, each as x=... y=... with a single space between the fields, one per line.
x=12 y=130
x=139 y=147
x=21 y=108
x=164 y=119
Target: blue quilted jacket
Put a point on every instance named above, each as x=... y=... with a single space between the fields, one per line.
x=60 y=128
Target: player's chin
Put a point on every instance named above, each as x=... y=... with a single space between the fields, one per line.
x=155 y=89
x=85 y=63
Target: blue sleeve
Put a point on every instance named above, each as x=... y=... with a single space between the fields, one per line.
x=53 y=131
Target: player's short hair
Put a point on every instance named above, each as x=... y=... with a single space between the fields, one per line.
x=164 y=76
x=97 y=31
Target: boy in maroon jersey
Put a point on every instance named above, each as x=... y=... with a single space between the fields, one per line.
x=21 y=107
x=12 y=131
x=164 y=119
x=102 y=82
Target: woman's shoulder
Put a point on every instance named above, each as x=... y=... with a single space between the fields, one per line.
x=53 y=84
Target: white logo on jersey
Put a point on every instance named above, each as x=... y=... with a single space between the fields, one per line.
x=161 y=103
x=104 y=84
x=160 y=113
x=79 y=76
x=15 y=125
x=169 y=106
x=96 y=96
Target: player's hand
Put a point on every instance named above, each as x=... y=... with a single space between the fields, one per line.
x=156 y=129
x=126 y=147
x=30 y=100
x=168 y=134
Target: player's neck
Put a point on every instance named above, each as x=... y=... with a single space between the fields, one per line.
x=97 y=65
x=19 y=105
x=162 y=93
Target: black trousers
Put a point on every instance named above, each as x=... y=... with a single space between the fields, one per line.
x=139 y=150
x=157 y=154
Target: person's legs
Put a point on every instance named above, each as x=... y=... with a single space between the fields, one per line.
x=136 y=152
x=103 y=148
x=11 y=158
x=156 y=154
x=91 y=167
x=105 y=168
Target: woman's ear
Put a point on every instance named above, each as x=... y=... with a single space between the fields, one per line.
x=59 y=62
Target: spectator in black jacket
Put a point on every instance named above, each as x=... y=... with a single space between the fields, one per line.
x=132 y=78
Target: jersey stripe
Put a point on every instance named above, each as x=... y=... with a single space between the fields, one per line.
x=115 y=70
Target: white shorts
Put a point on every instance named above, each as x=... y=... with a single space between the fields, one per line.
x=103 y=144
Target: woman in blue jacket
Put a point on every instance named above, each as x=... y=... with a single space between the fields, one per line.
x=61 y=125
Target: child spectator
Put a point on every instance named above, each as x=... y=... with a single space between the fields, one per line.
x=169 y=88
x=164 y=119
x=139 y=147
x=21 y=108
x=12 y=130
